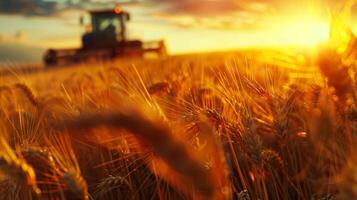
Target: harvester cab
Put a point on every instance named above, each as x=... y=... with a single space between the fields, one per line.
x=108 y=27
x=106 y=39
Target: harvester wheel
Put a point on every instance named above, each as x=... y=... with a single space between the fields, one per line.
x=50 y=57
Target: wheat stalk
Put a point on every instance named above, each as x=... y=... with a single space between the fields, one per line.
x=27 y=91
x=158 y=137
x=76 y=185
x=17 y=169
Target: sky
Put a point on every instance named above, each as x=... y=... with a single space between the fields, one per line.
x=28 y=27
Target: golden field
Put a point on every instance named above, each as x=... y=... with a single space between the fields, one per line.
x=252 y=125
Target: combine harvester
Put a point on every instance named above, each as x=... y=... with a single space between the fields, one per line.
x=106 y=40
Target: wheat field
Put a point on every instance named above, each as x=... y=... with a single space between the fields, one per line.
x=260 y=124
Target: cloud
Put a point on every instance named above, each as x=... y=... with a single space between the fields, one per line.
x=216 y=14
x=241 y=14
x=201 y=7
x=244 y=21
x=191 y=7
x=28 y=7
x=196 y=8
x=212 y=7
x=53 y=7
x=210 y=14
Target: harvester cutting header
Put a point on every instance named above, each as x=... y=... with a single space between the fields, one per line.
x=107 y=39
